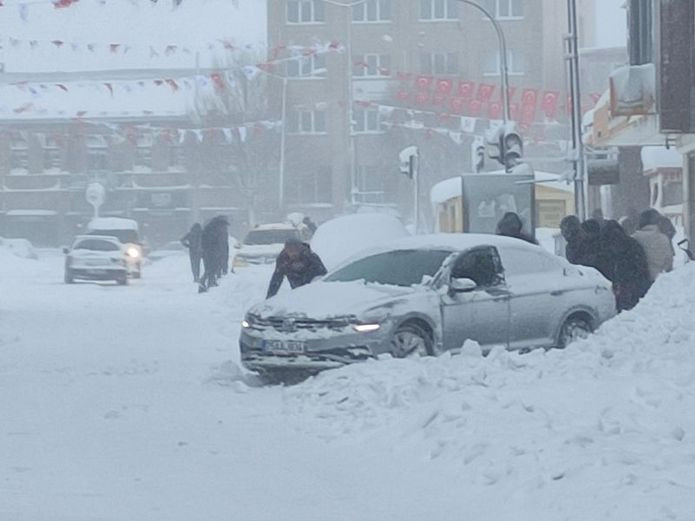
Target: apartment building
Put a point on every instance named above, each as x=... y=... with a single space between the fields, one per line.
x=383 y=52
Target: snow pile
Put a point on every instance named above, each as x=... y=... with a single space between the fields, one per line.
x=608 y=417
x=339 y=239
x=21 y=248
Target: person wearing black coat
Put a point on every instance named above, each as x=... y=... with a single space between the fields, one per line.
x=215 y=249
x=192 y=241
x=511 y=226
x=298 y=263
x=625 y=264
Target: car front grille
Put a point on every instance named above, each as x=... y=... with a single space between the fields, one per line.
x=289 y=325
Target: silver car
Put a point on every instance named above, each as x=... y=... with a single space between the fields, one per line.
x=424 y=295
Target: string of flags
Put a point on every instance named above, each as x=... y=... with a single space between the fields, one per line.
x=24 y=5
x=173 y=136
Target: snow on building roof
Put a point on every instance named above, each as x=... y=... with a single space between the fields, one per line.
x=654 y=158
x=103 y=36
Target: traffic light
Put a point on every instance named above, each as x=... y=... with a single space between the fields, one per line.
x=505 y=145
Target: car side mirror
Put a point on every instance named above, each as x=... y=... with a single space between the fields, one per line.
x=66 y=251
x=462 y=285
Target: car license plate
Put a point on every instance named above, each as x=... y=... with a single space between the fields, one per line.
x=95 y=262
x=97 y=272
x=284 y=347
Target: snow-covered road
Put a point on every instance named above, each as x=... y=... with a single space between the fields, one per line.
x=125 y=404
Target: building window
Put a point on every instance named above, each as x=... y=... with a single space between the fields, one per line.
x=439 y=63
x=439 y=10
x=305 y=11
x=175 y=159
x=506 y=9
x=52 y=157
x=366 y=121
x=143 y=151
x=372 y=11
x=19 y=154
x=306 y=122
x=311 y=186
x=97 y=153
x=372 y=65
x=306 y=66
x=516 y=63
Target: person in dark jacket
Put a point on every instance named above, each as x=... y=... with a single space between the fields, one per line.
x=625 y=262
x=213 y=242
x=192 y=241
x=511 y=226
x=571 y=229
x=298 y=263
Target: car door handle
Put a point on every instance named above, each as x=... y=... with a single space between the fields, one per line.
x=557 y=292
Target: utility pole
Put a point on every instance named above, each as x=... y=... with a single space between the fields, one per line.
x=579 y=159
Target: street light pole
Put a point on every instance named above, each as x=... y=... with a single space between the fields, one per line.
x=504 y=69
x=580 y=184
x=283 y=141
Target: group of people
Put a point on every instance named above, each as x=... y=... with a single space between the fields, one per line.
x=631 y=254
x=208 y=244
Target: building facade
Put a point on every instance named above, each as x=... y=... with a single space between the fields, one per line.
x=422 y=73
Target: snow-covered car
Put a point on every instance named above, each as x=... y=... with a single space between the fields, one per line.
x=127 y=233
x=425 y=295
x=263 y=244
x=94 y=257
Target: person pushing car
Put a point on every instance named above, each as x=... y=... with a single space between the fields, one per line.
x=298 y=263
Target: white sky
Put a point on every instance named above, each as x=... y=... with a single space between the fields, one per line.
x=610 y=24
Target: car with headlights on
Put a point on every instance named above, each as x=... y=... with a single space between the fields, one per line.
x=263 y=244
x=95 y=257
x=126 y=231
x=425 y=295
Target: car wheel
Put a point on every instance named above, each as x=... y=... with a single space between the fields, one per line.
x=574 y=328
x=123 y=280
x=69 y=279
x=138 y=272
x=411 y=340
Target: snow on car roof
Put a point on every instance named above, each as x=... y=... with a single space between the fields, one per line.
x=112 y=223
x=446 y=241
x=275 y=226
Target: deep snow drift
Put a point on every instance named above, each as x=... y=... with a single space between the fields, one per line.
x=123 y=404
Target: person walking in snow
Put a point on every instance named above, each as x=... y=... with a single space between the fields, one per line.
x=192 y=241
x=298 y=263
x=212 y=242
x=657 y=246
x=511 y=226
x=624 y=263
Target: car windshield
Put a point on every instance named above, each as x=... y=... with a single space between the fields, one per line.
x=394 y=268
x=265 y=237
x=96 y=245
x=124 y=236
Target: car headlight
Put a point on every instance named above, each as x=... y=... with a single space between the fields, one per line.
x=366 y=328
x=133 y=252
x=245 y=324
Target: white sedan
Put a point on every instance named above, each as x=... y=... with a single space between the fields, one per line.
x=94 y=257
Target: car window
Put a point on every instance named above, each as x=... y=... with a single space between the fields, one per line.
x=394 y=268
x=519 y=261
x=481 y=265
x=124 y=236
x=96 y=245
x=266 y=237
